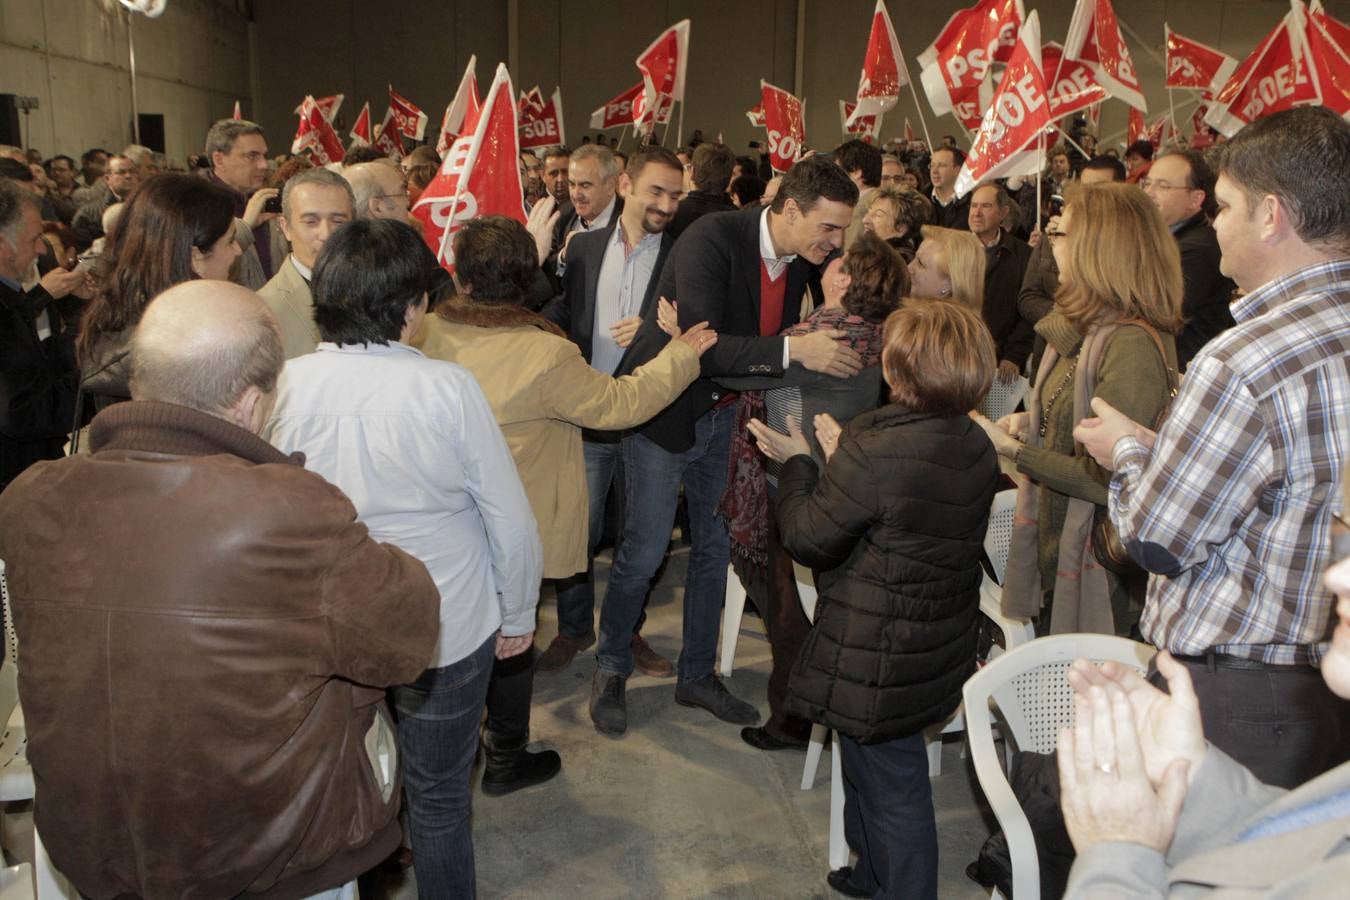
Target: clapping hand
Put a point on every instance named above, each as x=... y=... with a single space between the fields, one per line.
x=780 y=447
x=827 y=433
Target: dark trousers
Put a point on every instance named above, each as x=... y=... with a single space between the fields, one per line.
x=888 y=817
x=773 y=589
x=508 y=701
x=1281 y=722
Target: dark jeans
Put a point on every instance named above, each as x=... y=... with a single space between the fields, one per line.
x=438 y=716
x=888 y=817
x=508 y=701
x=1281 y=722
x=773 y=589
x=576 y=595
x=652 y=478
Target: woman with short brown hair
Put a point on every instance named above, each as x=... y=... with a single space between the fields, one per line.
x=894 y=527
x=1109 y=335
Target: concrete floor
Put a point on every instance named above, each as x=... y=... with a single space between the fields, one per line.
x=678 y=807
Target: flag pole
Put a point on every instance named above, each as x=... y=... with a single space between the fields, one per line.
x=1172 y=113
x=919 y=107
x=1040 y=172
x=665 y=134
x=679 y=132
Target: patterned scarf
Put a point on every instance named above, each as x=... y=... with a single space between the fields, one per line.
x=745 y=505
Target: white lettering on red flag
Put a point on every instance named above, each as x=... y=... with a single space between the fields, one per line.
x=1327 y=42
x=360 y=133
x=1274 y=77
x=389 y=141
x=1005 y=144
x=1077 y=87
x=412 y=122
x=463 y=109
x=542 y=126
x=1191 y=64
x=785 y=120
x=617 y=111
x=664 y=65
x=315 y=135
x=1094 y=38
x=864 y=127
x=480 y=176
x=955 y=67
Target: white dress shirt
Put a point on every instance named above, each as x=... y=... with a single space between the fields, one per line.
x=413 y=443
x=774 y=264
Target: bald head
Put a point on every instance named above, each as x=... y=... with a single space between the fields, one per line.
x=379 y=190
x=212 y=346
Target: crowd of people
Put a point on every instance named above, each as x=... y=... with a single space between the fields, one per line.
x=280 y=492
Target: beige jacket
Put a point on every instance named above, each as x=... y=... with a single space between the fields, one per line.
x=543 y=393
x=1206 y=858
x=288 y=296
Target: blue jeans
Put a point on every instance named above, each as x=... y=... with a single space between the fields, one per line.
x=652 y=478
x=888 y=817
x=576 y=595
x=438 y=716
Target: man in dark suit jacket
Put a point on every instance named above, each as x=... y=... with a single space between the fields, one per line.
x=744 y=273
x=712 y=165
x=1182 y=185
x=1006 y=259
x=37 y=377
x=593 y=202
x=609 y=284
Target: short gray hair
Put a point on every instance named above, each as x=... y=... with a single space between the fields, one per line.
x=609 y=166
x=140 y=155
x=224 y=133
x=210 y=376
x=318 y=176
x=365 y=183
x=13 y=199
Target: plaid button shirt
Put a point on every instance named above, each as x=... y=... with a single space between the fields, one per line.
x=1232 y=508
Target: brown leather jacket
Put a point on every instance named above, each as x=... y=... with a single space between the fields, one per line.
x=205 y=635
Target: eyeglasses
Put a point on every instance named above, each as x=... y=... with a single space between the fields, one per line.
x=1154 y=184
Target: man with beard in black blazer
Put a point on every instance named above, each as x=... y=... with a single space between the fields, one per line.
x=744 y=273
x=609 y=284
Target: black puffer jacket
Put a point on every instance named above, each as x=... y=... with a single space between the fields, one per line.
x=895 y=529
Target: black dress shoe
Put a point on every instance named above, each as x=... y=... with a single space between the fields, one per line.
x=839 y=881
x=759 y=738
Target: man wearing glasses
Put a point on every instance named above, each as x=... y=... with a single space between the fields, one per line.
x=1182 y=186
x=379 y=190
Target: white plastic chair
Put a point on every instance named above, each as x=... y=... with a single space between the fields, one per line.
x=1029 y=686
x=16 y=776
x=998 y=537
x=733 y=610
x=1002 y=399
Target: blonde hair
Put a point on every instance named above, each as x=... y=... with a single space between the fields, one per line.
x=1121 y=262
x=938 y=357
x=965 y=263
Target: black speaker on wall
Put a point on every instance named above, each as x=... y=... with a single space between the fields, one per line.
x=9 y=120
x=152 y=130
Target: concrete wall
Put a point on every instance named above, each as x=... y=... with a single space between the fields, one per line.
x=192 y=64
x=203 y=54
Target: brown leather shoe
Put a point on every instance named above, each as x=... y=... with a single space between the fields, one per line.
x=648 y=661
x=560 y=652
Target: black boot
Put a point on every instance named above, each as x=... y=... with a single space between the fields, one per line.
x=512 y=767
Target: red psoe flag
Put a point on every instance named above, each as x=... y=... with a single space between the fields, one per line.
x=238 y=114
x=412 y=122
x=643 y=120
x=1191 y=64
x=1077 y=86
x=315 y=135
x=542 y=127
x=1276 y=76
x=618 y=111
x=1136 y=130
x=1329 y=59
x=1160 y=132
x=956 y=65
x=785 y=120
x=756 y=115
x=462 y=111
x=1006 y=142
x=360 y=133
x=864 y=127
x=329 y=106
x=389 y=141
x=664 y=64
x=883 y=72
x=1094 y=38
x=480 y=176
